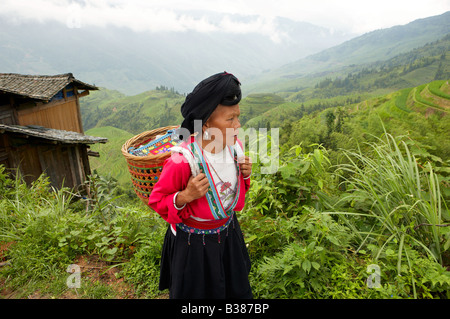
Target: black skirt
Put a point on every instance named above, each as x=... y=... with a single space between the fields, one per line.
x=215 y=266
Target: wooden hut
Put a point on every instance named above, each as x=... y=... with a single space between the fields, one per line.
x=41 y=129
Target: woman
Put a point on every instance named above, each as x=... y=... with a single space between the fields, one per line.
x=204 y=253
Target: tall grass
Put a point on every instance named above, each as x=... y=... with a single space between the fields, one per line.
x=46 y=229
x=400 y=199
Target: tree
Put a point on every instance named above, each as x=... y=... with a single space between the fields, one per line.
x=340 y=119
x=440 y=72
x=329 y=120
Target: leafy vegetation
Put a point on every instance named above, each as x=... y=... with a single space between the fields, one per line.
x=360 y=183
x=358 y=207
x=317 y=236
x=315 y=233
x=47 y=230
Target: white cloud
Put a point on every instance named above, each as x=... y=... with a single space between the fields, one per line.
x=261 y=25
x=355 y=15
x=359 y=16
x=131 y=14
x=176 y=15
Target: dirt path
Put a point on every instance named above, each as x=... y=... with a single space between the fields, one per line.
x=93 y=271
x=428 y=108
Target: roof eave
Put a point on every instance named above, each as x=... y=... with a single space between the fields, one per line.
x=70 y=79
x=66 y=137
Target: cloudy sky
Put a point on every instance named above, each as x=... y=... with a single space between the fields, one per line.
x=356 y=16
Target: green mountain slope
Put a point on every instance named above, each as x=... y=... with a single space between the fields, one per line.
x=421 y=112
x=111 y=160
x=134 y=114
x=374 y=46
x=357 y=83
x=133 y=62
x=95 y=106
x=161 y=107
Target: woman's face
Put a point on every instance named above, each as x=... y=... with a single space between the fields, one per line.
x=223 y=125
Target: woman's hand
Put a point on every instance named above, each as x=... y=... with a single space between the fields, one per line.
x=246 y=165
x=197 y=187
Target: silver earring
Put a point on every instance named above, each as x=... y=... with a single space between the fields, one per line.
x=206 y=135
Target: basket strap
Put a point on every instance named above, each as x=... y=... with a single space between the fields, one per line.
x=189 y=157
x=213 y=197
x=237 y=150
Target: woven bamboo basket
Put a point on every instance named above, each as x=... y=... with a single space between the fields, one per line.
x=145 y=170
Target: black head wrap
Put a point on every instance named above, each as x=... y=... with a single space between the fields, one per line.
x=222 y=88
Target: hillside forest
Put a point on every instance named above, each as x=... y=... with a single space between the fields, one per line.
x=358 y=208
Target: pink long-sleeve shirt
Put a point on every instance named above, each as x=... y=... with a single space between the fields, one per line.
x=174 y=178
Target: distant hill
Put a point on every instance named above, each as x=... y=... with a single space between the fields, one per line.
x=407 y=88
x=111 y=160
x=353 y=84
x=421 y=113
x=161 y=107
x=134 y=114
x=134 y=62
x=379 y=45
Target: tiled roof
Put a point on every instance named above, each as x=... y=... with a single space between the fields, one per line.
x=53 y=134
x=40 y=87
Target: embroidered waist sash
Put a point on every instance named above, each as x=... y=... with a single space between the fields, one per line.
x=197 y=227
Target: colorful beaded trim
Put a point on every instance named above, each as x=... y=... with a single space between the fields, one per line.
x=192 y=230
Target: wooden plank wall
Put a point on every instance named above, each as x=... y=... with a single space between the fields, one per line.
x=61 y=115
x=62 y=163
x=28 y=163
x=55 y=163
x=6 y=114
x=3 y=151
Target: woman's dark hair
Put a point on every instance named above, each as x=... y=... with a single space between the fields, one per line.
x=221 y=88
x=233 y=94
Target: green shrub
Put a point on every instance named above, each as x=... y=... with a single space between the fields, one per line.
x=142 y=270
x=435 y=88
x=302 y=269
